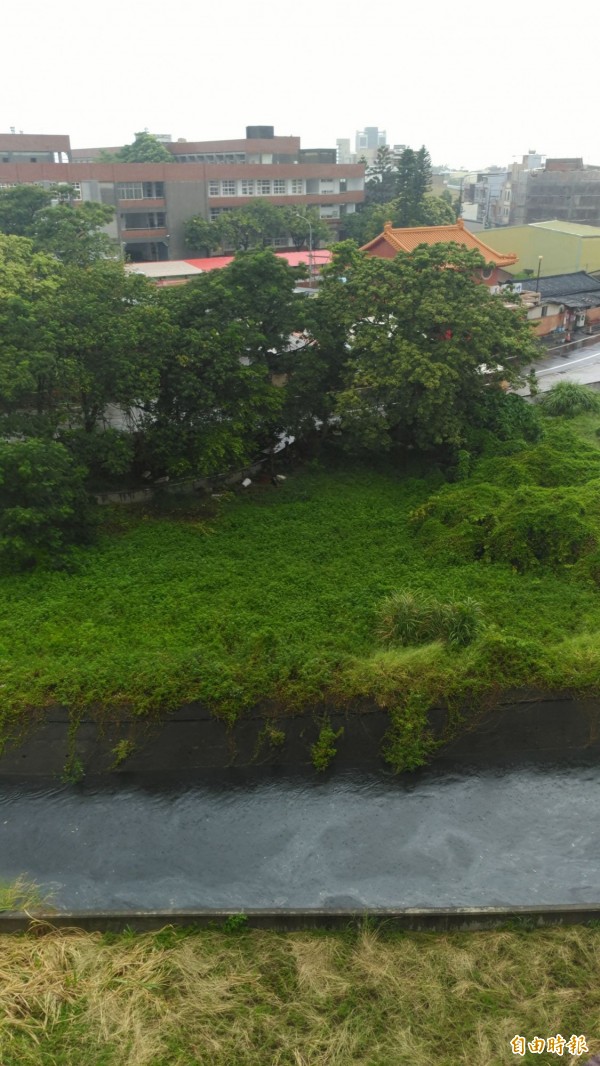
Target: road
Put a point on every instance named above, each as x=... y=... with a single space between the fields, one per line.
x=582 y=365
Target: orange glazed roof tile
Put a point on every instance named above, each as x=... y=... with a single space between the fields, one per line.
x=406 y=240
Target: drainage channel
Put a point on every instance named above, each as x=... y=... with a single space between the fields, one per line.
x=514 y=840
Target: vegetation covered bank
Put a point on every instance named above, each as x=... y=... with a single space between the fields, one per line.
x=346 y=583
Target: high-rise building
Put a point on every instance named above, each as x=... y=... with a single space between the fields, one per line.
x=367 y=142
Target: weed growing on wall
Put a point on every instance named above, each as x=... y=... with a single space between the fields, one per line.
x=324 y=750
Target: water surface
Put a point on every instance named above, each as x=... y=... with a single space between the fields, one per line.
x=526 y=835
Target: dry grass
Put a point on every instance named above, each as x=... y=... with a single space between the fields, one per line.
x=301 y=999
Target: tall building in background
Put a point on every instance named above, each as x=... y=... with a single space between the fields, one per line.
x=153 y=201
x=344 y=155
x=367 y=142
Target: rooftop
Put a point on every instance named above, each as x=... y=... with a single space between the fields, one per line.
x=406 y=240
x=180 y=269
x=577 y=229
x=320 y=257
x=563 y=285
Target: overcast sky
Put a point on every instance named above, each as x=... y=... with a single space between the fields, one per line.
x=477 y=82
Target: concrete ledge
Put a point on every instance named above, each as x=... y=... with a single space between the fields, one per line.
x=412 y=919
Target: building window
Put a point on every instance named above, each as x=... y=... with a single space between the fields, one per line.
x=151 y=220
x=213 y=188
x=247 y=187
x=297 y=186
x=263 y=188
x=279 y=187
x=228 y=188
x=76 y=193
x=130 y=190
x=329 y=211
x=327 y=185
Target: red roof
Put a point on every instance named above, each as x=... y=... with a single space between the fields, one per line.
x=406 y=240
x=320 y=256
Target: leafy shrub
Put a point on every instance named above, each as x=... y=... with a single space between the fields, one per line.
x=103 y=452
x=508 y=660
x=568 y=398
x=45 y=508
x=540 y=526
x=419 y=618
x=324 y=750
x=503 y=417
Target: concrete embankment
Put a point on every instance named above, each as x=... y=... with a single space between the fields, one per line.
x=521 y=725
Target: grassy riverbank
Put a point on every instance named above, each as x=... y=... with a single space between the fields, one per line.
x=278 y=594
x=298 y=999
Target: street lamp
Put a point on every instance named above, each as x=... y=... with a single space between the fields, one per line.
x=537 y=283
x=310 y=244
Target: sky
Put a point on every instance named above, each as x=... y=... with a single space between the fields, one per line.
x=479 y=83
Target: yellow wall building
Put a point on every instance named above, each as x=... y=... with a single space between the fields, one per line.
x=564 y=246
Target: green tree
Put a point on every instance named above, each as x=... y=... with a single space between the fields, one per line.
x=75 y=233
x=423 y=342
x=413 y=183
x=422 y=177
x=316 y=369
x=380 y=186
x=436 y=211
x=19 y=206
x=144 y=149
x=295 y=222
x=216 y=403
x=107 y=329
x=45 y=508
x=29 y=281
x=253 y=226
x=202 y=236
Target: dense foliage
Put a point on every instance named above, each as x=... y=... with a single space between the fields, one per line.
x=69 y=230
x=45 y=508
x=471 y=560
x=296 y=594
x=145 y=148
x=254 y=226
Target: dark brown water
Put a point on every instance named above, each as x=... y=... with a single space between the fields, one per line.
x=526 y=835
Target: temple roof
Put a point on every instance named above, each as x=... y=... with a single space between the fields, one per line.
x=406 y=240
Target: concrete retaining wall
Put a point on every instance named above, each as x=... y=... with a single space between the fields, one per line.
x=525 y=725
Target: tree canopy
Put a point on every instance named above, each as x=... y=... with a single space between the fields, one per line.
x=423 y=343
x=144 y=149
x=75 y=233
x=216 y=402
x=19 y=206
x=254 y=225
x=410 y=353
